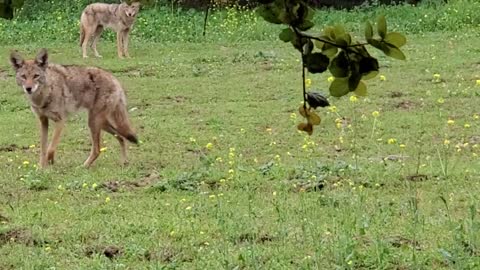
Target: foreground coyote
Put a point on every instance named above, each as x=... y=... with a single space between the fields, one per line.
x=119 y=17
x=54 y=91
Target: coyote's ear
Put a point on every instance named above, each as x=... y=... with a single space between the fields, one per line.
x=135 y=5
x=16 y=60
x=42 y=58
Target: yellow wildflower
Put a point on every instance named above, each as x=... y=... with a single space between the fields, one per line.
x=332 y=109
x=107 y=199
x=26 y=162
x=353 y=98
x=392 y=141
x=467 y=125
x=330 y=79
x=209 y=146
x=450 y=122
x=375 y=114
x=308 y=82
x=440 y=101
x=383 y=78
x=103 y=149
x=446 y=142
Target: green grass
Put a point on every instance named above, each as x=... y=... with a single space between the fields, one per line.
x=47 y=21
x=292 y=201
x=263 y=196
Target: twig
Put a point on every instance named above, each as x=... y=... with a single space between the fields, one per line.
x=205 y=20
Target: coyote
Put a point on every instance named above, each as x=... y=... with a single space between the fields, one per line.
x=54 y=91
x=119 y=17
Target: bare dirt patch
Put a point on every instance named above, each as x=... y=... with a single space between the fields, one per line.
x=396 y=94
x=110 y=252
x=261 y=238
x=17 y=235
x=177 y=99
x=12 y=148
x=116 y=186
x=417 y=177
x=405 y=105
x=400 y=241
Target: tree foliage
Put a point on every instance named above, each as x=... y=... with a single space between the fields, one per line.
x=7 y=8
x=334 y=50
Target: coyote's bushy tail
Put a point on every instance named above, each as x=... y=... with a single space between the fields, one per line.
x=122 y=124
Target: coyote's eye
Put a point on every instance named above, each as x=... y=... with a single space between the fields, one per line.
x=23 y=77
x=36 y=76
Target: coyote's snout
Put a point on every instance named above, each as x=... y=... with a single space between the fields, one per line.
x=119 y=17
x=55 y=91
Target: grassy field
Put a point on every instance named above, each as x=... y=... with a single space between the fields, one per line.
x=223 y=180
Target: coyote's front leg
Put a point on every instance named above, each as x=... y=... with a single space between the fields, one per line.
x=43 y=141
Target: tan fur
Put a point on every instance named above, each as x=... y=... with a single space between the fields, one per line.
x=55 y=91
x=119 y=17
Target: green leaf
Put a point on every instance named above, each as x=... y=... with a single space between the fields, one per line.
x=299 y=42
x=329 y=33
x=313 y=118
x=315 y=99
x=339 y=65
x=354 y=81
x=330 y=51
x=343 y=40
x=300 y=12
x=287 y=35
x=396 y=39
x=306 y=25
x=368 y=67
x=361 y=89
x=269 y=14
x=368 y=31
x=327 y=49
x=382 y=26
x=310 y=14
x=319 y=44
x=308 y=47
x=370 y=75
x=339 y=30
x=392 y=51
x=339 y=87
x=316 y=62
x=375 y=43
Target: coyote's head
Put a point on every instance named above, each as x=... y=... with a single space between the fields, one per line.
x=131 y=10
x=30 y=74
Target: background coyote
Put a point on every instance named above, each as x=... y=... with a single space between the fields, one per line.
x=119 y=17
x=54 y=91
